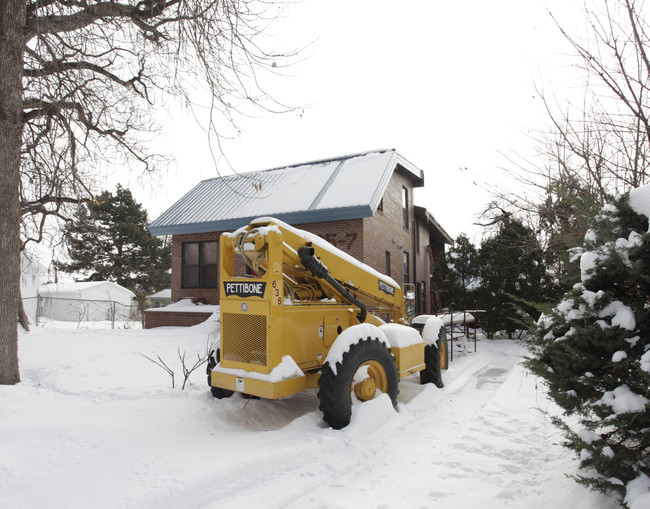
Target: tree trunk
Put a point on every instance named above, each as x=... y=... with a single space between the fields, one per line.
x=23 y=319
x=12 y=27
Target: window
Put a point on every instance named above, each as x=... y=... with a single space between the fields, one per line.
x=423 y=304
x=406 y=268
x=387 y=272
x=200 y=264
x=417 y=237
x=405 y=208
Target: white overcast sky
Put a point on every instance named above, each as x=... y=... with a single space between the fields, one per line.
x=449 y=84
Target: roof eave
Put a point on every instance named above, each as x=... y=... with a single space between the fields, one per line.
x=409 y=170
x=292 y=218
x=431 y=221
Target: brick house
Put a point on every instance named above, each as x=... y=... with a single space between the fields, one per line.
x=361 y=203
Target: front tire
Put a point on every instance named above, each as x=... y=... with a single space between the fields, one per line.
x=217 y=392
x=367 y=367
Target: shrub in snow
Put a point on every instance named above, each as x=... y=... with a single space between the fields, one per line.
x=593 y=350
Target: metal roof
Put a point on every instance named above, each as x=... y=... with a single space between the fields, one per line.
x=345 y=187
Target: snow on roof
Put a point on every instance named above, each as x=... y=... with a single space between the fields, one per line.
x=162 y=294
x=340 y=188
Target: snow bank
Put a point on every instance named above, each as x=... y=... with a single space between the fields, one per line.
x=94 y=424
x=186 y=306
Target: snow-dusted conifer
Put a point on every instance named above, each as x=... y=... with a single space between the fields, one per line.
x=593 y=350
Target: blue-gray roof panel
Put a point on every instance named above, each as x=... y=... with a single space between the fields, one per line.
x=309 y=192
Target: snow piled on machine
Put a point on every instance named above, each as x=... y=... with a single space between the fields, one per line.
x=431 y=330
x=349 y=337
x=400 y=336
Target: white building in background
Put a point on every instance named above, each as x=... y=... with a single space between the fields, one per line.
x=86 y=301
x=161 y=298
x=30 y=275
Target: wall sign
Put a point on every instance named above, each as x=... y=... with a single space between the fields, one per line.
x=346 y=243
x=386 y=288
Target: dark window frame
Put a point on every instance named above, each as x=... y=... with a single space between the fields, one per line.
x=407 y=268
x=405 y=208
x=201 y=267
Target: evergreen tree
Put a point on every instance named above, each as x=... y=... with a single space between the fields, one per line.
x=512 y=272
x=460 y=274
x=593 y=349
x=109 y=241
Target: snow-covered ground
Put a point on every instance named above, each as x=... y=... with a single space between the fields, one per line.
x=96 y=424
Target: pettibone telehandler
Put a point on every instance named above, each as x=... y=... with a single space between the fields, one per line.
x=299 y=314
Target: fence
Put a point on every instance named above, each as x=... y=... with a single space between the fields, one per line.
x=82 y=313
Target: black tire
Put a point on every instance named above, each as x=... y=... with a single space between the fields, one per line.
x=336 y=390
x=212 y=362
x=435 y=356
x=220 y=393
x=217 y=392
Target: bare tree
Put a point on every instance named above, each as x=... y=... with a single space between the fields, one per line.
x=77 y=78
x=595 y=148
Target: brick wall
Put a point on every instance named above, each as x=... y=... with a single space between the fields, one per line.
x=177 y=319
x=347 y=235
x=385 y=231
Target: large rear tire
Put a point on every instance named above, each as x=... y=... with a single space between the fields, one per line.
x=436 y=358
x=367 y=369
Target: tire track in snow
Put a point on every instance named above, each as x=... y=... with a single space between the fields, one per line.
x=356 y=462
x=424 y=435
x=463 y=439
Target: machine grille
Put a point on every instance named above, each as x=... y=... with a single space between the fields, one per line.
x=243 y=338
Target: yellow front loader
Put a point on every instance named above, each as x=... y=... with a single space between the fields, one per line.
x=298 y=313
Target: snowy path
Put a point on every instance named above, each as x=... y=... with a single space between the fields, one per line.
x=94 y=424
